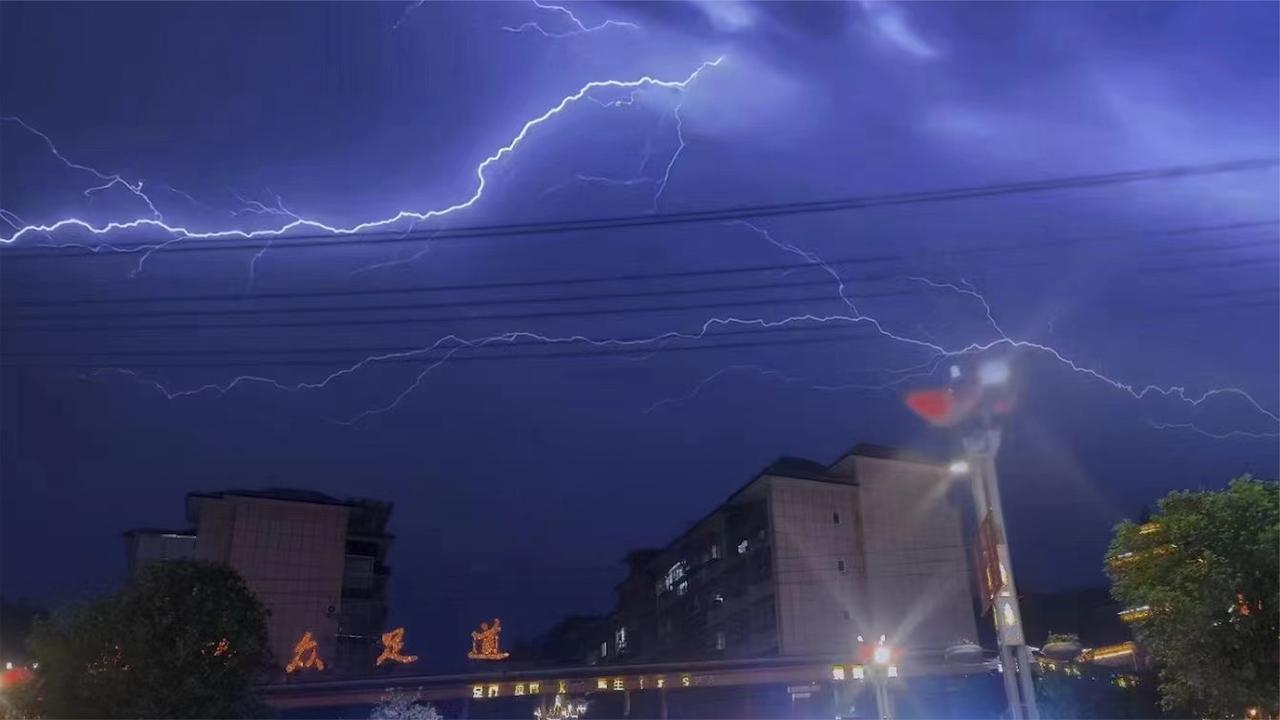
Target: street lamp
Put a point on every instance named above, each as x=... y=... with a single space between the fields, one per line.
x=976 y=406
x=881 y=655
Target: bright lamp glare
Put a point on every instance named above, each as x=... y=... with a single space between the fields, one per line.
x=881 y=655
x=959 y=467
x=994 y=372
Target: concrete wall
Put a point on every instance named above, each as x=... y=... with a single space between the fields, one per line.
x=918 y=579
x=290 y=554
x=818 y=603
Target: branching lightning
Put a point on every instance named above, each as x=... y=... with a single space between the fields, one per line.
x=578 y=27
x=180 y=232
x=109 y=180
x=934 y=352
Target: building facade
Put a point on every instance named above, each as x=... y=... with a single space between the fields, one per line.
x=317 y=563
x=803 y=560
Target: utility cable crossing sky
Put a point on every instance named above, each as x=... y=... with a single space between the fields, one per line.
x=439 y=352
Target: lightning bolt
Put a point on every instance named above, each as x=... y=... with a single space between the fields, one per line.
x=940 y=353
x=579 y=28
x=179 y=232
x=109 y=180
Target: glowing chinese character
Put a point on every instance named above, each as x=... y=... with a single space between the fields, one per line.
x=477 y=691
x=837 y=672
x=618 y=685
x=392 y=644
x=493 y=691
x=602 y=684
x=484 y=643
x=662 y=682
x=519 y=689
x=305 y=654
x=684 y=680
x=534 y=687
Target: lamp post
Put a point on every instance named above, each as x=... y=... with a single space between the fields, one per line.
x=981 y=446
x=977 y=403
x=880 y=671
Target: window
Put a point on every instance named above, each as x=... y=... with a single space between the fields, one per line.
x=620 y=639
x=835 y=518
x=742 y=548
x=719 y=639
x=675 y=574
x=840 y=566
x=604 y=649
x=715 y=551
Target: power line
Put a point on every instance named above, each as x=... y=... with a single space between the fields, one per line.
x=694 y=216
x=627 y=277
x=826 y=297
x=662 y=292
x=458 y=355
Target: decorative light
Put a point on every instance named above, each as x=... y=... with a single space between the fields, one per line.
x=1135 y=614
x=392 y=644
x=562 y=709
x=484 y=643
x=893 y=671
x=305 y=654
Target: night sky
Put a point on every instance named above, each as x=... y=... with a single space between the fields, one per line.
x=520 y=481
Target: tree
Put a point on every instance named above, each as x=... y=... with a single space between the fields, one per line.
x=403 y=705
x=1206 y=570
x=187 y=639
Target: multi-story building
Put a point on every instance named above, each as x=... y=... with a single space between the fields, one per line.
x=144 y=546
x=317 y=563
x=801 y=561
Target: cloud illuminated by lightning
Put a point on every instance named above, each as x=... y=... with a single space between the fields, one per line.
x=578 y=27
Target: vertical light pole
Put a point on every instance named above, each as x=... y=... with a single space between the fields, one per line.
x=975 y=403
x=981 y=447
x=880 y=668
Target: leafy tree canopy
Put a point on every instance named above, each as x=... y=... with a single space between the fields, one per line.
x=186 y=639
x=1208 y=567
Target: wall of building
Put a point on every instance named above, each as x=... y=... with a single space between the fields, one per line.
x=919 y=591
x=817 y=565
x=290 y=554
x=145 y=548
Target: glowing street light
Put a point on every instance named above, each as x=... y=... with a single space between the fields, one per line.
x=994 y=372
x=881 y=655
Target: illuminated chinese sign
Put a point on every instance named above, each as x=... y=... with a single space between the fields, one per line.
x=392 y=644
x=484 y=642
x=306 y=654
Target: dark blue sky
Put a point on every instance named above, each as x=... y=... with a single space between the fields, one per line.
x=518 y=482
